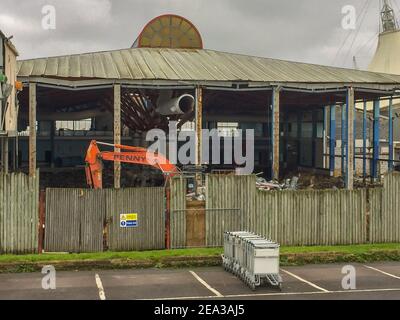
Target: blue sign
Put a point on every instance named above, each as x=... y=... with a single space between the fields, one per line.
x=129 y=220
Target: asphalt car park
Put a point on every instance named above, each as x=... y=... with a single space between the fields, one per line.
x=372 y=281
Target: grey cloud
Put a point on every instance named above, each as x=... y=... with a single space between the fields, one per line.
x=301 y=30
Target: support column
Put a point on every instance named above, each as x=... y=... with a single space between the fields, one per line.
x=350 y=139
x=199 y=134
x=355 y=139
x=332 y=140
x=376 y=152
x=344 y=138
x=275 y=132
x=52 y=143
x=325 y=140
x=391 y=144
x=365 y=140
x=117 y=133
x=299 y=130
x=199 y=125
x=32 y=129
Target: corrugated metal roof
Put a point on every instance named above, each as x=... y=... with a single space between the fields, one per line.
x=191 y=65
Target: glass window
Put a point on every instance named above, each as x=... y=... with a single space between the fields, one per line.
x=83 y=125
x=307 y=130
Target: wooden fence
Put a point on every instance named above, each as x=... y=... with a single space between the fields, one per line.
x=293 y=218
x=80 y=220
x=19 y=206
x=384 y=211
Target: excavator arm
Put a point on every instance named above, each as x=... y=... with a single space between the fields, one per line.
x=134 y=155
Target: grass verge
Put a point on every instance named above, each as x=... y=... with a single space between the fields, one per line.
x=193 y=258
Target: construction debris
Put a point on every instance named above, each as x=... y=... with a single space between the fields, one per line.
x=289 y=184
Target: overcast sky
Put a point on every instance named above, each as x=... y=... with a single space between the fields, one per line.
x=300 y=30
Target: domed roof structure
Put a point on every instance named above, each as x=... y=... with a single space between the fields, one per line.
x=169 y=31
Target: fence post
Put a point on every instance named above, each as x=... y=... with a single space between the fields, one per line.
x=42 y=220
x=168 y=216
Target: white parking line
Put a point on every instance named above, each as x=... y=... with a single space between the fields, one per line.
x=383 y=272
x=102 y=293
x=255 y=295
x=305 y=281
x=218 y=294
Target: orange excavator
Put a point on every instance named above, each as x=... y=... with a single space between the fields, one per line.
x=134 y=155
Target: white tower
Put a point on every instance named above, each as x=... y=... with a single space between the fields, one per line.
x=387 y=56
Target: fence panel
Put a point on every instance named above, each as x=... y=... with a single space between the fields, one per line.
x=19 y=212
x=178 y=213
x=74 y=220
x=385 y=211
x=80 y=220
x=219 y=221
x=148 y=204
x=290 y=217
x=91 y=207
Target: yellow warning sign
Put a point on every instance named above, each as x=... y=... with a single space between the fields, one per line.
x=132 y=216
x=129 y=220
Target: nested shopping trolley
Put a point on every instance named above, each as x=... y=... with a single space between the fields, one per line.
x=252 y=258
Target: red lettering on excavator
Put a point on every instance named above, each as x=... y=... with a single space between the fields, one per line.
x=118 y=157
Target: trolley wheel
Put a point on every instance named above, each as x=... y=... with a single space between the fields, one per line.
x=253 y=286
x=280 y=287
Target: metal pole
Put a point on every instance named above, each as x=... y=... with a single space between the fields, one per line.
x=325 y=134
x=332 y=140
x=365 y=141
x=376 y=152
x=354 y=136
x=391 y=151
x=343 y=140
x=350 y=108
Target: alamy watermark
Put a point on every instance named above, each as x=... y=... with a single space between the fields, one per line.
x=350 y=278
x=349 y=21
x=49 y=280
x=49 y=19
x=238 y=149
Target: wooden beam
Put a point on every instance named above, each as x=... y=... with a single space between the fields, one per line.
x=32 y=129
x=350 y=139
x=199 y=125
x=199 y=136
x=117 y=133
x=275 y=133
